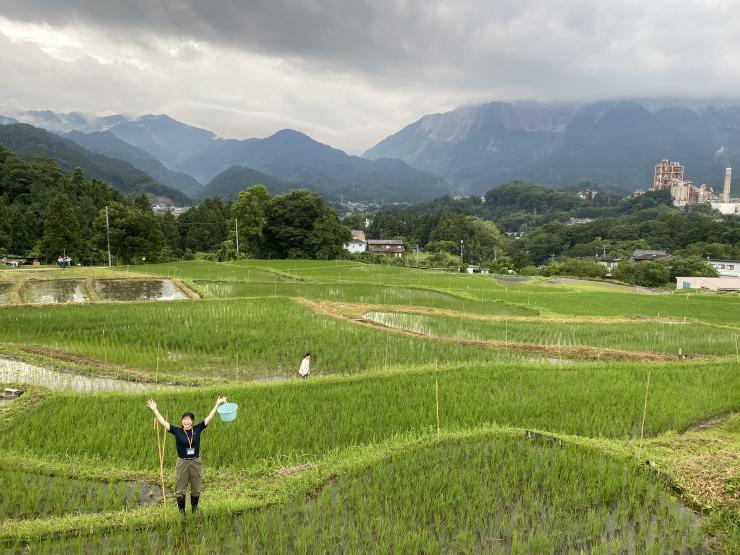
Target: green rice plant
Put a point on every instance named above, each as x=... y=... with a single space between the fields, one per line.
x=211 y=271
x=496 y=494
x=289 y=423
x=229 y=339
x=362 y=293
x=650 y=337
x=565 y=299
x=28 y=495
x=5 y=289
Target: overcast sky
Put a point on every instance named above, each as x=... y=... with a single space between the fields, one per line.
x=350 y=72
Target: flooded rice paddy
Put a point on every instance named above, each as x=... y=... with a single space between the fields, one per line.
x=57 y=291
x=139 y=290
x=14 y=371
x=69 y=291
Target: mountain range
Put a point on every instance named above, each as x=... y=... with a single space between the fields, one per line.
x=189 y=158
x=28 y=141
x=556 y=144
x=464 y=151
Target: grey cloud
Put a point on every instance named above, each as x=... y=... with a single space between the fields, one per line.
x=554 y=48
x=382 y=64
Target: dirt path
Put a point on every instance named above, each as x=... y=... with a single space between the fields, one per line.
x=557 y=351
x=354 y=310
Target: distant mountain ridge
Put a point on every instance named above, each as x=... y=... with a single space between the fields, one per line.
x=465 y=151
x=295 y=157
x=27 y=141
x=230 y=182
x=105 y=142
x=616 y=142
x=288 y=155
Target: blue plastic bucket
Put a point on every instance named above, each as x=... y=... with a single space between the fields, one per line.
x=227 y=412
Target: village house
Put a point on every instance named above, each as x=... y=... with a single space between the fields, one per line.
x=725 y=268
x=393 y=247
x=358 y=243
x=609 y=262
x=646 y=255
x=478 y=270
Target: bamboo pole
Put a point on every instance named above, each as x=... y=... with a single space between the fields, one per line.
x=387 y=338
x=160 y=452
x=436 y=390
x=644 y=411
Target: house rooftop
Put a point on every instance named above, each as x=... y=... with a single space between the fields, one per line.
x=384 y=242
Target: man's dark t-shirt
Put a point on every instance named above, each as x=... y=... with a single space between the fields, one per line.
x=188 y=443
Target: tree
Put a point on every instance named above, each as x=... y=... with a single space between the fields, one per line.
x=329 y=236
x=61 y=229
x=300 y=225
x=134 y=234
x=690 y=266
x=170 y=234
x=203 y=228
x=250 y=211
x=578 y=268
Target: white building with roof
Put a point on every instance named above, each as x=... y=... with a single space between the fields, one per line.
x=358 y=243
x=725 y=268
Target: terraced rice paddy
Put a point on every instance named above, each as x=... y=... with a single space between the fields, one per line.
x=5 y=293
x=364 y=294
x=446 y=413
x=56 y=292
x=688 y=339
x=138 y=290
x=28 y=495
x=66 y=291
x=412 y=502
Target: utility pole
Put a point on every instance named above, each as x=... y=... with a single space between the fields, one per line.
x=417 y=255
x=461 y=252
x=236 y=231
x=107 y=234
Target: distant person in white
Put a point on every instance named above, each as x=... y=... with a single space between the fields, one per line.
x=305 y=369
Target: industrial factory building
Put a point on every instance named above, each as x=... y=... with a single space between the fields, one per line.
x=670 y=176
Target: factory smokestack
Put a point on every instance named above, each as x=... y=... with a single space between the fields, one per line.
x=726 y=190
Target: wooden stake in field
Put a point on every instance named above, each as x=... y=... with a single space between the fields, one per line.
x=644 y=411
x=160 y=451
x=387 y=338
x=436 y=390
x=156 y=372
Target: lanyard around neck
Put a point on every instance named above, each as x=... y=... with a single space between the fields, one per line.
x=189 y=438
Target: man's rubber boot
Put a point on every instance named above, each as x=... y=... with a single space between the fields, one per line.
x=181 y=506
x=194 y=502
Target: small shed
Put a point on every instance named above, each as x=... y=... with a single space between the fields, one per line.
x=709 y=283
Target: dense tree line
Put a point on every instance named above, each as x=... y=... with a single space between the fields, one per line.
x=551 y=243
x=296 y=224
x=46 y=212
x=619 y=224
